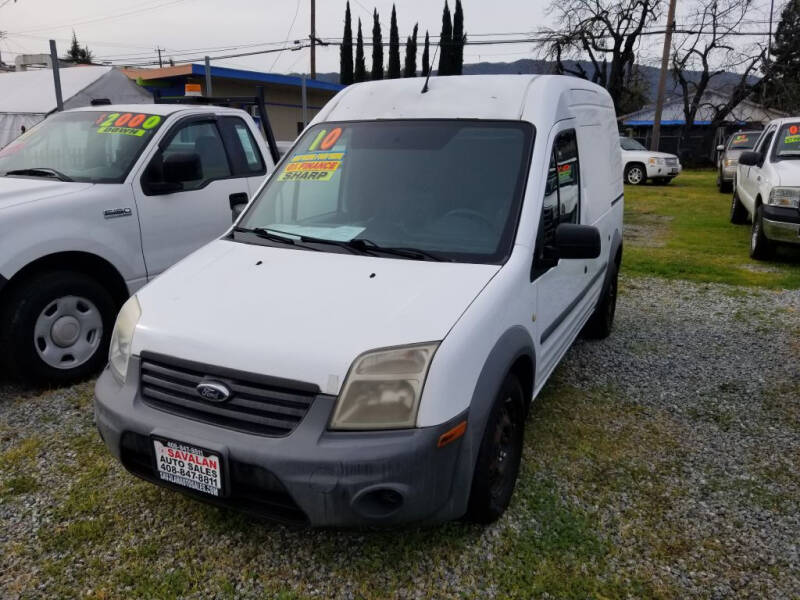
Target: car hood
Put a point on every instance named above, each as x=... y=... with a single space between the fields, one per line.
x=644 y=154
x=788 y=172
x=20 y=190
x=299 y=314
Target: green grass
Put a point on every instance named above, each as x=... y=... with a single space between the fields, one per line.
x=682 y=231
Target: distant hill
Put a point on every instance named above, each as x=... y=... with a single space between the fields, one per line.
x=539 y=67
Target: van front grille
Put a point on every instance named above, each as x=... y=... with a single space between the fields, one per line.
x=256 y=404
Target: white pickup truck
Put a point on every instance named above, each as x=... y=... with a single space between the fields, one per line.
x=94 y=203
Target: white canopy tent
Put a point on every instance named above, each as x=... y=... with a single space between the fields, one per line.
x=27 y=97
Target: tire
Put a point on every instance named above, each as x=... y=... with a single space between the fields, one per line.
x=760 y=247
x=738 y=212
x=56 y=328
x=722 y=185
x=600 y=324
x=499 y=456
x=635 y=174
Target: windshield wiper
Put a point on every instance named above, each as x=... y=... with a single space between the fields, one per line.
x=413 y=253
x=267 y=234
x=40 y=172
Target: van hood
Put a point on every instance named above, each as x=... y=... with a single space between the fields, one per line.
x=788 y=172
x=20 y=190
x=299 y=314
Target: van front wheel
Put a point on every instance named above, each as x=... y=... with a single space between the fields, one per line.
x=499 y=456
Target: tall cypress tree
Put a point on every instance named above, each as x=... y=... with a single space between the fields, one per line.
x=782 y=90
x=446 y=43
x=410 y=69
x=426 y=56
x=459 y=38
x=377 y=47
x=346 y=51
x=394 y=48
x=360 y=73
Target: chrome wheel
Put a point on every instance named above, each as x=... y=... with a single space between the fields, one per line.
x=635 y=175
x=68 y=332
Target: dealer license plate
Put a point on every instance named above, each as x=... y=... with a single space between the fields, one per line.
x=189 y=466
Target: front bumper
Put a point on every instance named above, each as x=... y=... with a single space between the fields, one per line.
x=310 y=476
x=781 y=224
x=663 y=170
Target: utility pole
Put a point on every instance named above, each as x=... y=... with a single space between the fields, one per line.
x=56 y=75
x=313 y=40
x=158 y=49
x=209 y=91
x=662 y=79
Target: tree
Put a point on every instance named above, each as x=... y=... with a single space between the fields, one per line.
x=410 y=69
x=346 y=51
x=446 y=43
x=608 y=33
x=459 y=39
x=426 y=56
x=393 y=72
x=783 y=90
x=78 y=55
x=360 y=73
x=710 y=51
x=377 y=47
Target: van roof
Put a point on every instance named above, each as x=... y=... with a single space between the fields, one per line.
x=453 y=97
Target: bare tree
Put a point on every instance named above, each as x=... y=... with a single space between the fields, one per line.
x=705 y=51
x=608 y=34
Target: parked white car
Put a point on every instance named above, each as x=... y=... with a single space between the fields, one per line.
x=362 y=347
x=767 y=188
x=641 y=164
x=94 y=203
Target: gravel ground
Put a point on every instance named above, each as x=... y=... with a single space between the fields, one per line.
x=662 y=462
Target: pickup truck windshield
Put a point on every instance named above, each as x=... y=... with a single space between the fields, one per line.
x=87 y=146
x=450 y=190
x=788 y=143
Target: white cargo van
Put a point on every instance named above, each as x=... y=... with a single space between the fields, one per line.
x=363 y=345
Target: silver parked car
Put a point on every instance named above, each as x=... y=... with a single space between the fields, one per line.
x=728 y=157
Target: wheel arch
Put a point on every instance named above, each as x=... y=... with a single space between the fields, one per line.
x=636 y=163
x=87 y=263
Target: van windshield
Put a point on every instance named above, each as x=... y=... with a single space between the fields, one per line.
x=448 y=189
x=87 y=146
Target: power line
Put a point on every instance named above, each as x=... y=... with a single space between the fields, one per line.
x=288 y=33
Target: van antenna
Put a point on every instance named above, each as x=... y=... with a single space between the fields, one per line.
x=430 y=69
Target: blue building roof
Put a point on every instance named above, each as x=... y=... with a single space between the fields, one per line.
x=198 y=69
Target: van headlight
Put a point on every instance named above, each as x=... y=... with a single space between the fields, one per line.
x=119 y=352
x=383 y=388
x=788 y=197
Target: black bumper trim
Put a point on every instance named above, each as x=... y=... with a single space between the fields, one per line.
x=779 y=213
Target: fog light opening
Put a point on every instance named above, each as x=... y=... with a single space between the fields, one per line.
x=379 y=503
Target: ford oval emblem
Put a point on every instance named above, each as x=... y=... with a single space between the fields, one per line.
x=213 y=391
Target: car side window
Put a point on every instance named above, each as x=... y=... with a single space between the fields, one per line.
x=201 y=138
x=246 y=157
x=562 y=196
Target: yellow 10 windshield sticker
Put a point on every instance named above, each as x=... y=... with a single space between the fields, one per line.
x=127 y=123
x=312 y=167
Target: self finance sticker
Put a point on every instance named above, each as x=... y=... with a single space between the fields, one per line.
x=319 y=166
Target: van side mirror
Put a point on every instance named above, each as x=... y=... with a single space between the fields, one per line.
x=577 y=241
x=237 y=202
x=750 y=158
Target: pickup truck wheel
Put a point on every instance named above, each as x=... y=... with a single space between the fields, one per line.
x=499 y=456
x=57 y=328
x=760 y=247
x=601 y=322
x=738 y=212
x=635 y=174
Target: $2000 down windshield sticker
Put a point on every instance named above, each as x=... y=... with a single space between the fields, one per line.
x=127 y=123
x=312 y=167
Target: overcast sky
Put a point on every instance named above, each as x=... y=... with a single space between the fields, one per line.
x=130 y=30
